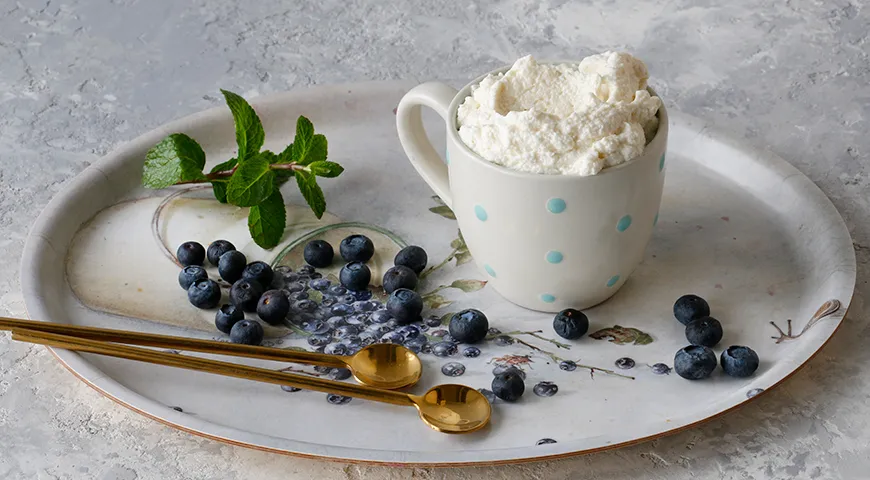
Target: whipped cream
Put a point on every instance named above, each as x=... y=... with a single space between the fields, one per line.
x=567 y=119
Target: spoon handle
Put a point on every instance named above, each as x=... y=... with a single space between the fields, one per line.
x=211 y=366
x=178 y=343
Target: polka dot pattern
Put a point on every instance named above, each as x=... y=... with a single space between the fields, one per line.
x=554 y=256
x=623 y=223
x=489 y=270
x=547 y=298
x=613 y=280
x=556 y=205
x=480 y=213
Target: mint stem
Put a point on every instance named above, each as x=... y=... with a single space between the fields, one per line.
x=229 y=173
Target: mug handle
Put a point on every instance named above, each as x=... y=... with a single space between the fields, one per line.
x=418 y=148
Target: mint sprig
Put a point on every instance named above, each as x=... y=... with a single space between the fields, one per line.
x=253 y=178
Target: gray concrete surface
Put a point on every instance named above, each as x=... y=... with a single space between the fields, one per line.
x=78 y=77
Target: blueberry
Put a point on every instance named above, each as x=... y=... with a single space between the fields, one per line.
x=190 y=253
x=319 y=340
x=545 y=389
x=336 y=399
x=412 y=257
x=356 y=248
x=326 y=303
x=380 y=316
x=408 y=331
x=347 y=299
x=690 y=307
x=405 y=305
x=660 y=369
x=305 y=270
x=345 y=331
x=352 y=341
x=444 y=349
x=568 y=365
x=367 y=338
x=423 y=327
x=571 y=324
x=246 y=294
x=364 y=306
x=490 y=397
x=340 y=374
x=296 y=296
x=416 y=344
x=357 y=320
x=508 y=386
x=341 y=309
x=694 y=362
x=336 y=290
x=393 y=337
x=545 y=441
x=216 y=249
x=471 y=352
x=753 y=392
x=453 y=369
x=295 y=287
x=365 y=294
x=503 y=340
x=247 y=332
x=706 y=331
x=273 y=306
x=318 y=253
x=433 y=321
x=355 y=276
x=624 y=363
x=190 y=275
x=231 y=265
x=379 y=330
x=493 y=331
x=259 y=271
x=399 y=277
x=288 y=388
x=282 y=270
x=438 y=333
x=227 y=316
x=319 y=284
x=335 y=349
x=469 y=326
x=306 y=306
x=204 y=294
x=499 y=369
x=316 y=327
x=739 y=361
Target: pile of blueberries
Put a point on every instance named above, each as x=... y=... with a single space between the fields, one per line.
x=697 y=361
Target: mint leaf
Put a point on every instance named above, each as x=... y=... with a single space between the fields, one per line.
x=219 y=185
x=287 y=155
x=252 y=182
x=267 y=221
x=177 y=158
x=249 y=131
x=307 y=147
x=311 y=192
x=325 y=169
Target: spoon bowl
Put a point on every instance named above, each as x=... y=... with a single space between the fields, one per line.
x=453 y=408
x=385 y=365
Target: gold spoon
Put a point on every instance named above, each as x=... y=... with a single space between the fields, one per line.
x=446 y=408
x=380 y=365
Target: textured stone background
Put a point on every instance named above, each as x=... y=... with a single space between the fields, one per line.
x=78 y=77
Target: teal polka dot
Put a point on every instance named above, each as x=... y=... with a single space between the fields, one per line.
x=480 y=213
x=613 y=280
x=547 y=298
x=554 y=256
x=656 y=220
x=623 y=223
x=447 y=157
x=556 y=205
x=662 y=163
x=489 y=270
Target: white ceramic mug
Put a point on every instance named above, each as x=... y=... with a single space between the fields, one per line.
x=547 y=242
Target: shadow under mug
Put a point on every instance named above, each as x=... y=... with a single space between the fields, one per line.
x=546 y=242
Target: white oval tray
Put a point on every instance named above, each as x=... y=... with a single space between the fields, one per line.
x=738 y=226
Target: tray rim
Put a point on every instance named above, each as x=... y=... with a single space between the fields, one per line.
x=36 y=243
